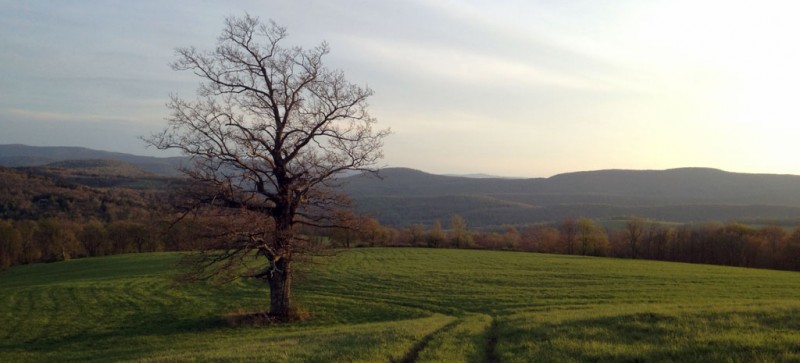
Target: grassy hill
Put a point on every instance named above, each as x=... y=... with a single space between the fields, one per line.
x=422 y=305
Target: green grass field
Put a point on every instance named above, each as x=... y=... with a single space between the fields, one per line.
x=424 y=305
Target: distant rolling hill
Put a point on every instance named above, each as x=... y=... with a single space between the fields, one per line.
x=102 y=174
x=33 y=193
x=406 y=196
x=16 y=155
x=96 y=167
x=403 y=196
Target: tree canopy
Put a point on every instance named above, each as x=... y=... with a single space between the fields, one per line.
x=270 y=131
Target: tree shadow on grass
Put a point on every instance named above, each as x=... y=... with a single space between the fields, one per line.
x=132 y=338
x=159 y=333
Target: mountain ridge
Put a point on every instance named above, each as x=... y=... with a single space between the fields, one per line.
x=404 y=196
x=407 y=196
x=19 y=155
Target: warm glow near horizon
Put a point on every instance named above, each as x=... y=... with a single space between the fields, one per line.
x=514 y=88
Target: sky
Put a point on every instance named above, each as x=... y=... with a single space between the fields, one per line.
x=513 y=88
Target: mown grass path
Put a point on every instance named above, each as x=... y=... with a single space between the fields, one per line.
x=423 y=305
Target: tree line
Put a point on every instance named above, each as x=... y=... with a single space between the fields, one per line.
x=60 y=239
x=731 y=244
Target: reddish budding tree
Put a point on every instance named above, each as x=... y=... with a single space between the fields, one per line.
x=267 y=136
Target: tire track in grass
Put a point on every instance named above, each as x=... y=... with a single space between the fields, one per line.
x=13 y=317
x=411 y=355
x=48 y=307
x=491 y=343
x=426 y=308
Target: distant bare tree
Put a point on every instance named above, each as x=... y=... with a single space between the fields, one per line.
x=568 y=231
x=268 y=134
x=634 y=229
x=436 y=234
x=416 y=234
x=371 y=231
x=459 y=235
x=594 y=241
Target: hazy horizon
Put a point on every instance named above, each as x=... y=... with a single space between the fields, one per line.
x=474 y=174
x=513 y=88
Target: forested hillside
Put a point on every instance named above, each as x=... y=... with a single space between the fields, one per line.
x=401 y=197
x=60 y=211
x=37 y=193
x=83 y=208
x=91 y=207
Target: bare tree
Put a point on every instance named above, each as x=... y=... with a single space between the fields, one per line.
x=436 y=234
x=568 y=231
x=459 y=235
x=634 y=230
x=268 y=134
x=594 y=241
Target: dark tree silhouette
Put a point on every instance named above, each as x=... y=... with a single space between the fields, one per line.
x=634 y=230
x=268 y=135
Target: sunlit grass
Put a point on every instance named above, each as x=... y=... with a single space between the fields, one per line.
x=465 y=341
x=654 y=333
x=382 y=304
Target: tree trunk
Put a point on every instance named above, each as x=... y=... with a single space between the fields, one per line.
x=280 y=290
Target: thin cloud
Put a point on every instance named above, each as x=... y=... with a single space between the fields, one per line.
x=60 y=116
x=473 y=67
